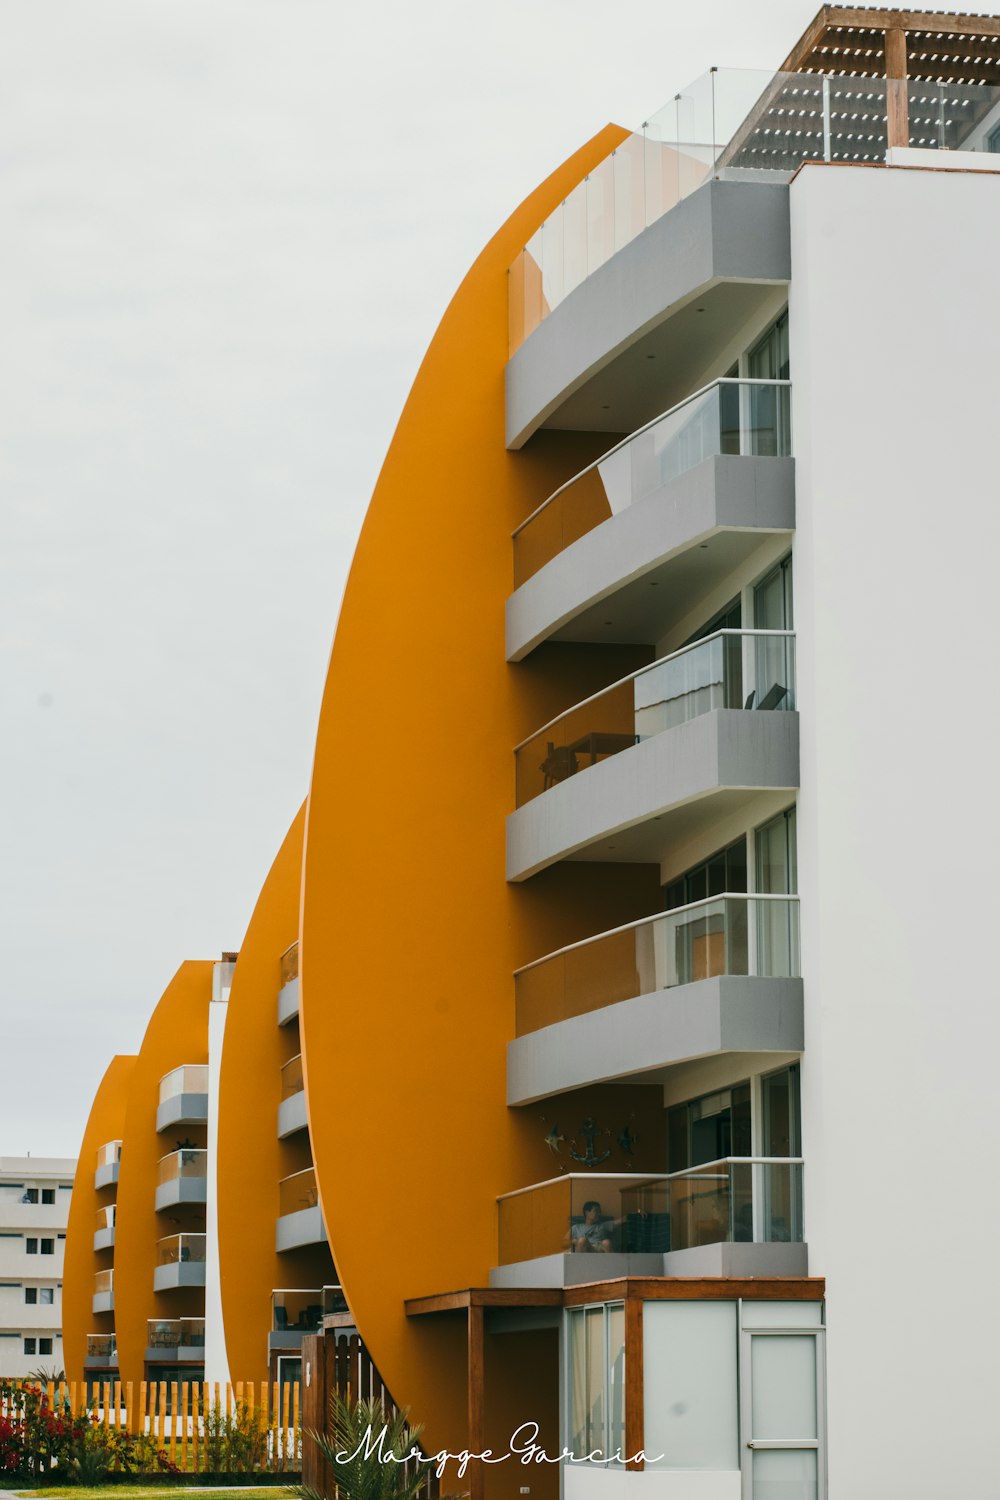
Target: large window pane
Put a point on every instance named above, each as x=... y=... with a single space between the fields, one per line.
x=616 y=1380
x=577 y=1383
x=595 y=1380
x=689 y=1360
x=785 y=1474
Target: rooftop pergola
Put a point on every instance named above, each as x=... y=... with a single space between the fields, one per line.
x=933 y=46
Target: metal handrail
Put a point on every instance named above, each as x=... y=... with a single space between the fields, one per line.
x=650 y=667
x=636 y=1178
x=658 y=916
x=722 y=380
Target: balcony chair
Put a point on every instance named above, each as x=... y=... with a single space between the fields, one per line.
x=774 y=696
x=558 y=765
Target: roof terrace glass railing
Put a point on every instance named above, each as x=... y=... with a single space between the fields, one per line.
x=292 y=1079
x=737 y=1199
x=749 y=418
x=640 y=181
x=735 y=123
x=190 y=1078
x=296 y=1310
x=109 y=1153
x=179 y=1249
x=297 y=1192
x=187 y=1162
x=749 y=670
x=175 y=1333
x=101 y=1346
x=719 y=935
x=290 y=963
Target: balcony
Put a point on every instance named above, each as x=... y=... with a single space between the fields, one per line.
x=183 y=1097
x=180 y=1261
x=293 y=1313
x=300 y=1221
x=596 y=1010
x=104 y=1228
x=108 y=1159
x=292 y=1108
x=741 y=1216
x=103 y=1299
x=175 y=1341
x=101 y=1352
x=712 y=718
x=181 y=1178
x=288 y=995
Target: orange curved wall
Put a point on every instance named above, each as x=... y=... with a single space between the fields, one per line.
x=410 y=932
x=252 y=1160
x=177 y=1033
x=106 y=1122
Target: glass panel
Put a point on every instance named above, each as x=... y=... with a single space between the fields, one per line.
x=690 y=1382
x=596 y=1359
x=782 y=1314
x=729 y=417
x=290 y=964
x=717 y=1202
x=297 y=1192
x=175 y=1333
x=179 y=1249
x=299 y=1310
x=192 y=1078
x=187 y=1163
x=108 y=1154
x=783 y=1386
x=576 y=1333
x=103 y=1281
x=783 y=1474
x=687 y=944
x=616 y=1380
x=600 y=214
x=292 y=1080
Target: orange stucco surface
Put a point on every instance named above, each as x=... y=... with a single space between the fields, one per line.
x=105 y=1123
x=410 y=932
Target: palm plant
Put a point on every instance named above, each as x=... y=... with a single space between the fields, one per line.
x=372 y=1453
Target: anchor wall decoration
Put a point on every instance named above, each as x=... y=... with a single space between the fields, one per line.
x=589 y=1129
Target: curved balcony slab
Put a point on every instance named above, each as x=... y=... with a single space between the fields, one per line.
x=180 y=1190
x=726 y=232
x=730 y=1013
x=608 y=811
x=178 y=1273
x=292 y=1114
x=731 y=502
x=288 y=1002
x=302 y=1228
x=102 y=1302
x=106 y=1175
x=104 y=1239
x=573 y=1270
x=182 y=1109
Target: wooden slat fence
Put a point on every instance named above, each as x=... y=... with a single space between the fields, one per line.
x=190 y=1421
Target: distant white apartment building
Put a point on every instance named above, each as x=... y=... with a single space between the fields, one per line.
x=34 y=1209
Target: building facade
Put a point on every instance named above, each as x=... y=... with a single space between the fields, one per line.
x=624 y=1119
x=35 y=1194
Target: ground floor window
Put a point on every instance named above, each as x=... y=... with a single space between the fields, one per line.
x=595 y=1365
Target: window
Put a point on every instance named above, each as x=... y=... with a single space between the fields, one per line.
x=31 y=1295
x=45 y=1346
x=46 y=1296
x=596 y=1365
x=713 y=938
x=48 y=1195
x=30 y=1195
x=710 y=1128
x=992 y=142
x=30 y=1346
x=48 y=1247
x=31 y=1246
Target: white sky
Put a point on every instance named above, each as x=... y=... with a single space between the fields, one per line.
x=227 y=232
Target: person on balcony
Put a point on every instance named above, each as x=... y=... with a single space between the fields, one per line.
x=591 y=1234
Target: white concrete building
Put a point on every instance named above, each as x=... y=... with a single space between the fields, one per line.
x=34 y=1209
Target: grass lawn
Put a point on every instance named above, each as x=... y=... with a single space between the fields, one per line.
x=146 y=1491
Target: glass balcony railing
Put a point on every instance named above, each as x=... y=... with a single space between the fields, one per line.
x=742 y=418
x=736 y=123
x=296 y=1311
x=334 y=1300
x=633 y=187
x=739 y=669
x=175 y=1333
x=104 y=1219
x=191 y=1078
x=749 y=1199
x=104 y=1281
x=297 y=1192
x=187 y=1162
x=101 y=1346
x=179 y=1249
x=290 y=964
x=292 y=1081
x=109 y=1154
x=726 y=934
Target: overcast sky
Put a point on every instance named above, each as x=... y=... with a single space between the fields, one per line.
x=228 y=230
